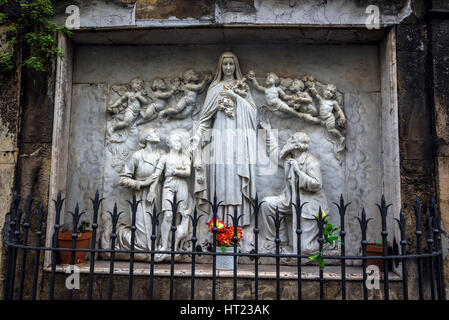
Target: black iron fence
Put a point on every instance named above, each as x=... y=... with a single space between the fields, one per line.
x=428 y=259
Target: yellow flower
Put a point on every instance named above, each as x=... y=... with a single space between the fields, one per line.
x=323 y=216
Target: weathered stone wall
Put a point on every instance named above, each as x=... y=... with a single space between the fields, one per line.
x=422 y=68
x=439 y=40
x=415 y=115
x=10 y=85
x=224 y=289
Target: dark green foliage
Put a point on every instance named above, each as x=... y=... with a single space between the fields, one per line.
x=30 y=27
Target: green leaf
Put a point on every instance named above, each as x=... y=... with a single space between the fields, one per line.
x=223 y=249
x=321 y=262
x=314 y=257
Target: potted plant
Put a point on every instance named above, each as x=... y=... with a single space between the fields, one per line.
x=225 y=243
x=376 y=249
x=81 y=242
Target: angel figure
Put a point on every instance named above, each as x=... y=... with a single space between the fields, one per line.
x=191 y=88
x=160 y=94
x=135 y=98
x=273 y=94
x=328 y=104
x=302 y=102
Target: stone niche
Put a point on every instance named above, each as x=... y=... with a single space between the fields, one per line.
x=99 y=66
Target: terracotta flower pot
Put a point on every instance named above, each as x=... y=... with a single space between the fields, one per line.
x=375 y=250
x=82 y=242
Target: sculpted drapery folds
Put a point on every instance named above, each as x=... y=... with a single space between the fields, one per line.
x=137 y=176
x=225 y=151
x=226 y=167
x=302 y=177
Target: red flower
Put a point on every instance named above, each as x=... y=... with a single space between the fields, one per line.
x=225 y=234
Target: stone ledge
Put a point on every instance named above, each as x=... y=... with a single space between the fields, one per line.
x=205 y=271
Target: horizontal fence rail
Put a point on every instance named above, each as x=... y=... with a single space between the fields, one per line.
x=428 y=259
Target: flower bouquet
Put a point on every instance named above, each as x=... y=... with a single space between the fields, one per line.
x=224 y=240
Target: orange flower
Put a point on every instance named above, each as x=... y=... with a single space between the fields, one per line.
x=225 y=233
x=219 y=224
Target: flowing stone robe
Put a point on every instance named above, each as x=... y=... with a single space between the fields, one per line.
x=309 y=184
x=139 y=167
x=231 y=155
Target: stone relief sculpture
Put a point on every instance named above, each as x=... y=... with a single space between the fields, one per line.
x=302 y=102
x=175 y=167
x=191 y=88
x=160 y=94
x=273 y=94
x=302 y=177
x=222 y=151
x=329 y=105
x=134 y=99
x=137 y=175
x=231 y=157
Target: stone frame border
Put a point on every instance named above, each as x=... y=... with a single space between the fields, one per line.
x=389 y=123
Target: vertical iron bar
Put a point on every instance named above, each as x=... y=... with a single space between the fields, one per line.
x=402 y=225
x=96 y=206
x=342 y=211
x=383 y=208
x=174 y=208
x=320 y=222
x=417 y=208
x=256 y=208
x=58 y=207
x=154 y=223
x=214 y=205
x=114 y=217
x=26 y=227
x=14 y=253
x=134 y=204
x=429 y=241
x=40 y=217
x=437 y=241
x=10 y=269
x=75 y=218
x=235 y=240
x=298 y=210
x=194 y=220
x=364 y=226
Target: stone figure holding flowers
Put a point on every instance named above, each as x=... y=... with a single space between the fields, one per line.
x=227 y=167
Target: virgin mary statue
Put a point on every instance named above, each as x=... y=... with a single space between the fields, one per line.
x=224 y=143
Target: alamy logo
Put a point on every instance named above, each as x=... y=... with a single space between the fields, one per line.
x=73 y=280
x=72 y=21
x=373 y=277
x=373 y=19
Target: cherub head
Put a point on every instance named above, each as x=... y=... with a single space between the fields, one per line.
x=285 y=83
x=174 y=142
x=330 y=91
x=190 y=75
x=308 y=80
x=136 y=84
x=296 y=86
x=272 y=79
x=176 y=83
x=159 y=85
